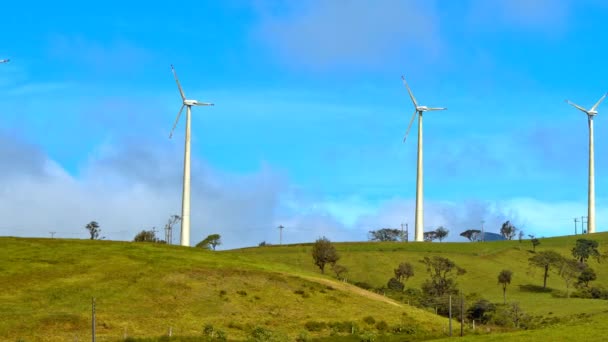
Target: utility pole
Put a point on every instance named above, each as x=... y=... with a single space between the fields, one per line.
x=575 y=221
x=483 y=237
x=280 y=234
x=93 y=320
x=169 y=228
x=583 y=231
x=402 y=236
x=52 y=235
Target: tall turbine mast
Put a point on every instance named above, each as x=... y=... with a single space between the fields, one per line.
x=185 y=233
x=419 y=225
x=591 y=182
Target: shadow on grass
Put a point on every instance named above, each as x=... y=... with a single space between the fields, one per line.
x=534 y=288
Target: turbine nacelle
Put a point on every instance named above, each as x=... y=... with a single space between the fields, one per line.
x=196 y=103
x=4 y=60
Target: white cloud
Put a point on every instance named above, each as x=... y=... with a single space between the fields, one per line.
x=138 y=186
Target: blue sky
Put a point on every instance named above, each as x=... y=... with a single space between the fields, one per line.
x=309 y=117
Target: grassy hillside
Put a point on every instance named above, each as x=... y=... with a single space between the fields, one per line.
x=145 y=289
x=373 y=263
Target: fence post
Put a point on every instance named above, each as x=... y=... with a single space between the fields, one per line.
x=450 y=314
x=461 y=315
x=93 y=319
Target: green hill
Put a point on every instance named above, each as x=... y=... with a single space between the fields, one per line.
x=143 y=290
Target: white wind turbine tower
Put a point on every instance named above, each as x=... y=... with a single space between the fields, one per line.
x=591 y=190
x=185 y=233
x=419 y=231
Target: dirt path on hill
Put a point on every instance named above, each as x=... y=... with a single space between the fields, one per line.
x=352 y=288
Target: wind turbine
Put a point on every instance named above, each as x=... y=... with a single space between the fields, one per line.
x=419 y=231
x=185 y=233
x=4 y=60
x=591 y=190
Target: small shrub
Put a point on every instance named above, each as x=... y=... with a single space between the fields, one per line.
x=315 y=326
x=481 y=311
x=369 y=320
x=256 y=297
x=404 y=329
x=208 y=330
x=382 y=326
x=236 y=326
x=220 y=335
x=395 y=285
x=223 y=293
x=303 y=337
x=368 y=337
x=303 y=293
x=341 y=327
x=260 y=334
x=241 y=292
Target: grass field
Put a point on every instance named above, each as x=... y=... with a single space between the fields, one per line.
x=144 y=289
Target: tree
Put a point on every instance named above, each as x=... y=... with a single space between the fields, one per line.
x=586 y=276
x=508 y=230
x=545 y=260
x=441 y=233
x=93 y=228
x=210 y=241
x=404 y=271
x=585 y=249
x=504 y=278
x=442 y=279
x=264 y=243
x=521 y=235
x=535 y=242
x=570 y=270
x=471 y=234
x=384 y=234
x=429 y=236
x=339 y=270
x=323 y=252
x=146 y=236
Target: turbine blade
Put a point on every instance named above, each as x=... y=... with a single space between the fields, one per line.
x=204 y=104
x=598 y=103
x=436 y=108
x=410 y=125
x=176 y=121
x=578 y=107
x=178 y=85
x=409 y=91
